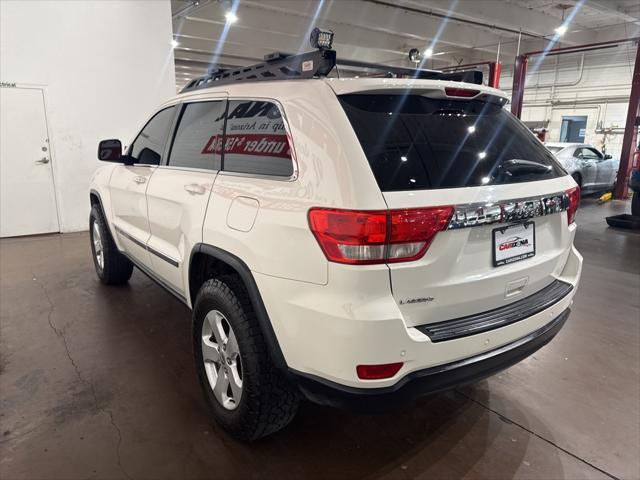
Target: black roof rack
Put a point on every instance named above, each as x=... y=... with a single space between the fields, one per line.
x=314 y=64
x=277 y=66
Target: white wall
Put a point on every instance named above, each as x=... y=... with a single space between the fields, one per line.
x=104 y=67
x=601 y=93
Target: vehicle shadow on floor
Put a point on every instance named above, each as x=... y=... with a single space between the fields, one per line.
x=444 y=435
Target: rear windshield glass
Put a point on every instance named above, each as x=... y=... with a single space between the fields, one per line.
x=414 y=142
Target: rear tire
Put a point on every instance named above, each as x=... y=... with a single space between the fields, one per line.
x=263 y=401
x=635 y=204
x=112 y=267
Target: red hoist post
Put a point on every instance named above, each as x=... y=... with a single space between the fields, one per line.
x=495 y=68
x=630 y=131
x=630 y=139
x=519 y=76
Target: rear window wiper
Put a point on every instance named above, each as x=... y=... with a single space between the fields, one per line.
x=518 y=166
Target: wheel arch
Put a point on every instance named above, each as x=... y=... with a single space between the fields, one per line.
x=96 y=199
x=207 y=261
x=577 y=176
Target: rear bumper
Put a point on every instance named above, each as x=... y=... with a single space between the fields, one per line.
x=326 y=331
x=429 y=380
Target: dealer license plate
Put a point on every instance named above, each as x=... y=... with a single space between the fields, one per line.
x=514 y=243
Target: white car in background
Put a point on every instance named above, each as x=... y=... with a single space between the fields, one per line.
x=592 y=170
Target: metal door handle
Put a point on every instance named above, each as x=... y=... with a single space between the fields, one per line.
x=195 y=189
x=43 y=160
x=139 y=179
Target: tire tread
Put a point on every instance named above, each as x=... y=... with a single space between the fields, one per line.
x=117 y=268
x=272 y=401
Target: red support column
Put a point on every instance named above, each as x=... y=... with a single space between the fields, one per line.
x=494 y=74
x=629 y=142
x=519 y=76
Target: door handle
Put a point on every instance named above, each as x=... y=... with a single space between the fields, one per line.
x=43 y=160
x=139 y=179
x=195 y=189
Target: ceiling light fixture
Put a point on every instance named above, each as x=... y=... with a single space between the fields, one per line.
x=564 y=26
x=231 y=17
x=428 y=52
x=561 y=30
x=174 y=43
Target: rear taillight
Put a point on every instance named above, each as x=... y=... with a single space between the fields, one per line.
x=573 y=196
x=461 y=92
x=381 y=236
x=377 y=372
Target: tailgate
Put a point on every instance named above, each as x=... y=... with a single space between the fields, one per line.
x=459 y=147
x=458 y=275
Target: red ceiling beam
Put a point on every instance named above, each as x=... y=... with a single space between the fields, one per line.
x=522 y=61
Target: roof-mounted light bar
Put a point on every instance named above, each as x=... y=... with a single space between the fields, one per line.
x=321 y=39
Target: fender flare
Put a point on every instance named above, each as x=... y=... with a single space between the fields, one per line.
x=254 y=295
x=93 y=191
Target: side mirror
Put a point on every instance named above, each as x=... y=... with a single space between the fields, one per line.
x=607 y=156
x=111 y=151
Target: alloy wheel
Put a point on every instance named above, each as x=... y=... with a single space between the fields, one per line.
x=97 y=245
x=222 y=361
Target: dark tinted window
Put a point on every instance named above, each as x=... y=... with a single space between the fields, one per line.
x=593 y=153
x=413 y=142
x=585 y=153
x=256 y=139
x=199 y=136
x=147 y=147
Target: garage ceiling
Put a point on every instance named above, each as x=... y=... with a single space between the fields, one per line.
x=383 y=31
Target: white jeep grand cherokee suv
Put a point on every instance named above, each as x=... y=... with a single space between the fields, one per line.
x=358 y=242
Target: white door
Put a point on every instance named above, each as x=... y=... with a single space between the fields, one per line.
x=179 y=191
x=27 y=195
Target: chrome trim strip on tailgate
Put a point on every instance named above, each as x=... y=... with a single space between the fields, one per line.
x=474 y=214
x=499 y=317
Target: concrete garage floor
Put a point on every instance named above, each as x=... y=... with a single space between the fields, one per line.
x=99 y=382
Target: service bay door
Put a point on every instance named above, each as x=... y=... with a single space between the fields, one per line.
x=27 y=196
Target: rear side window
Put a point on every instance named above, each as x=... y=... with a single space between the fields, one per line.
x=198 y=138
x=256 y=140
x=555 y=149
x=413 y=142
x=585 y=153
x=592 y=154
x=148 y=146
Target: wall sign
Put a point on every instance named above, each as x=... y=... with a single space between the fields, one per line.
x=8 y=84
